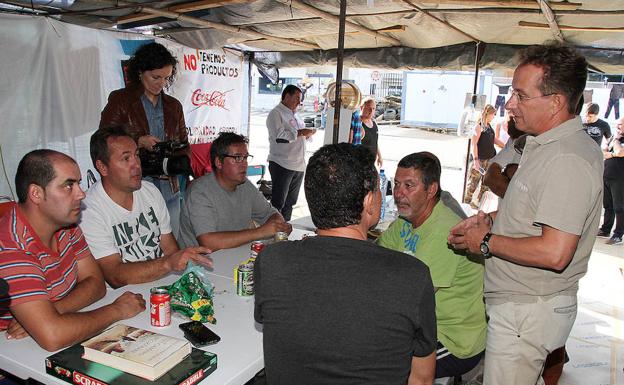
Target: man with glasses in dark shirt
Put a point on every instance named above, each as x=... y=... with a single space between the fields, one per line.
x=222 y=208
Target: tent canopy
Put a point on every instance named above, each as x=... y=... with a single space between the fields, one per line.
x=400 y=34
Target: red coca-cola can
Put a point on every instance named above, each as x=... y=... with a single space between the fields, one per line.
x=160 y=307
x=256 y=248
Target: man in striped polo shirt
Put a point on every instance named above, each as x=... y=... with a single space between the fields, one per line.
x=46 y=262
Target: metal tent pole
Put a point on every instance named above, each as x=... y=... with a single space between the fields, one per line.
x=479 y=49
x=340 y=54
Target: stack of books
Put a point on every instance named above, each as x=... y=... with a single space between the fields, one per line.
x=126 y=355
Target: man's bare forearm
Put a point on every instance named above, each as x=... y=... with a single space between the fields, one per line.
x=86 y=292
x=228 y=239
x=496 y=180
x=136 y=272
x=75 y=327
x=423 y=370
x=552 y=250
x=61 y=330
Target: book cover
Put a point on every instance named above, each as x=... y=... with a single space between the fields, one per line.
x=69 y=366
x=136 y=351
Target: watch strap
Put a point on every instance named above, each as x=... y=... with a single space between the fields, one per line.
x=485 y=242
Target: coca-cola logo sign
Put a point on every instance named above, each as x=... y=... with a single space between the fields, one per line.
x=209 y=98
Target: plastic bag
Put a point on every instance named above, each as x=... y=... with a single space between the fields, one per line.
x=192 y=295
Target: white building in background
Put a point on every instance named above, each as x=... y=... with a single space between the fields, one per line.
x=438 y=98
x=370 y=82
x=420 y=98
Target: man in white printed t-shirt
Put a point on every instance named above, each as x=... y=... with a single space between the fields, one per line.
x=125 y=219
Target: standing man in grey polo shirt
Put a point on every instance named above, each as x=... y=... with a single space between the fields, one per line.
x=287 y=145
x=537 y=245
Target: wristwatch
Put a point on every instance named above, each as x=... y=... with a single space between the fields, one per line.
x=485 y=246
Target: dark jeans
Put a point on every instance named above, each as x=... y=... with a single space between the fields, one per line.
x=286 y=185
x=173 y=201
x=500 y=104
x=613 y=202
x=615 y=103
x=447 y=365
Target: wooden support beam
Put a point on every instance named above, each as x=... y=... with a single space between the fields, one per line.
x=528 y=24
x=447 y=24
x=328 y=16
x=394 y=29
x=517 y=11
x=211 y=24
x=550 y=18
x=527 y=4
x=180 y=8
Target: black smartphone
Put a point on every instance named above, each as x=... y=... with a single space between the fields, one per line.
x=198 y=334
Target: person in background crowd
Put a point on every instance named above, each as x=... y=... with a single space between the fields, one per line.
x=538 y=244
x=125 y=219
x=149 y=114
x=336 y=308
x=504 y=164
x=595 y=127
x=613 y=200
x=501 y=131
x=365 y=131
x=45 y=260
x=221 y=208
x=483 y=150
x=421 y=231
x=287 y=144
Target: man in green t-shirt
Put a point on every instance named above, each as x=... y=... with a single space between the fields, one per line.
x=421 y=230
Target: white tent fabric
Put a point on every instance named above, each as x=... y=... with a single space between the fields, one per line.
x=56 y=78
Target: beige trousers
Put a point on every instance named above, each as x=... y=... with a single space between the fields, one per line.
x=521 y=335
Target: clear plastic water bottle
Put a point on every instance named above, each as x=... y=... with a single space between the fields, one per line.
x=391 y=211
x=383 y=185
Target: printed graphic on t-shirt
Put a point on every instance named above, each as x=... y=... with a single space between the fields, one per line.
x=594 y=131
x=410 y=239
x=139 y=240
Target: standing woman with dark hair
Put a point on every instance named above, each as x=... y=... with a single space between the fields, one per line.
x=149 y=114
x=483 y=150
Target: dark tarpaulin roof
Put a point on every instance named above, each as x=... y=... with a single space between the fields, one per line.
x=423 y=34
x=459 y=57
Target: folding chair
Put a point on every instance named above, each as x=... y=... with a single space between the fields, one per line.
x=265 y=186
x=6 y=205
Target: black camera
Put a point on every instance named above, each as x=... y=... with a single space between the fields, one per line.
x=166 y=158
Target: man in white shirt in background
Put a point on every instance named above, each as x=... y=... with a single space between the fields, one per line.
x=287 y=146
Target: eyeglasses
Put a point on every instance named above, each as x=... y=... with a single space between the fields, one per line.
x=239 y=158
x=523 y=98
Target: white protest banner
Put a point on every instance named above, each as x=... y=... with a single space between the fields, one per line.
x=210 y=87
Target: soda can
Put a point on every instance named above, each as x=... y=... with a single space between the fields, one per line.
x=256 y=248
x=280 y=236
x=244 y=280
x=160 y=307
